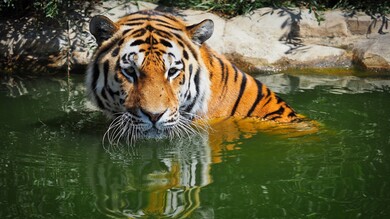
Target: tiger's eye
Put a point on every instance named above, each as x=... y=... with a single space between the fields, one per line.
x=129 y=73
x=173 y=72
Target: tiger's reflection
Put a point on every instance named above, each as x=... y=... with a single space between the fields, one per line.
x=157 y=179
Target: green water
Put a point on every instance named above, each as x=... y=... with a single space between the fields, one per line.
x=53 y=163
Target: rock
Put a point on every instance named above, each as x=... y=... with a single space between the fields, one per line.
x=271 y=38
x=257 y=37
x=25 y=46
x=318 y=56
x=117 y=9
x=373 y=53
x=266 y=39
x=362 y=24
x=333 y=26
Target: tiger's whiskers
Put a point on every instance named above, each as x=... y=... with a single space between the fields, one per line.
x=123 y=129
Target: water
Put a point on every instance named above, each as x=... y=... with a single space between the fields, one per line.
x=53 y=163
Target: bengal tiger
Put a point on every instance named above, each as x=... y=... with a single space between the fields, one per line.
x=154 y=75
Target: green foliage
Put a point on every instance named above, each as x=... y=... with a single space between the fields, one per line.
x=229 y=8
x=49 y=7
x=45 y=8
x=238 y=7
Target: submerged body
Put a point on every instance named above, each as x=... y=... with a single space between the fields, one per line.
x=155 y=75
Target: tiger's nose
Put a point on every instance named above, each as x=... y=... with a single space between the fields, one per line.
x=153 y=117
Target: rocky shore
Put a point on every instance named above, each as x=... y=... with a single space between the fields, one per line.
x=266 y=39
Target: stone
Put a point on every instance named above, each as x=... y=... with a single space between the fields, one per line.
x=373 y=53
x=266 y=39
x=257 y=36
x=334 y=25
x=362 y=24
x=117 y=9
x=270 y=37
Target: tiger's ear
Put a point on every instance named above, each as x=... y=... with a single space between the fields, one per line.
x=102 y=28
x=202 y=31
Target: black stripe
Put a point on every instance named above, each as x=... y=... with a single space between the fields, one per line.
x=258 y=98
x=242 y=88
x=277 y=112
x=222 y=68
x=185 y=54
x=235 y=73
x=169 y=17
x=166 y=43
x=137 y=19
x=112 y=93
x=125 y=32
x=151 y=40
x=183 y=79
x=190 y=69
x=95 y=77
x=211 y=64
x=115 y=52
x=124 y=59
x=196 y=81
x=180 y=44
x=117 y=69
x=120 y=42
x=138 y=33
x=268 y=93
x=268 y=101
x=226 y=78
x=137 y=42
x=149 y=28
x=162 y=21
x=292 y=114
x=193 y=52
x=99 y=103
x=106 y=67
x=116 y=78
x=132 y=23
x=169 y=26
x=117 y=66
x=103 y=93
x=163 y=33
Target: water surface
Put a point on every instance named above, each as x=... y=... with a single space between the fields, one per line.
x=53 y=163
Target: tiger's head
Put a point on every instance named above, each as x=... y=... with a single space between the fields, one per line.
x=148 y=75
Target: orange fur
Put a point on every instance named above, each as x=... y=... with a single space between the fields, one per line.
x=223 y=100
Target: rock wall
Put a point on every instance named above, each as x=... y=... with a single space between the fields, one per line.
x=266 y=39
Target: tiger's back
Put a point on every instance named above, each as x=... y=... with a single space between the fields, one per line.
x=235 y=93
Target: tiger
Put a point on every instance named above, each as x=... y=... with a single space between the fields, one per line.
x=154 y=76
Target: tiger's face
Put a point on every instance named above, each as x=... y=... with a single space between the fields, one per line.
x=147 y=74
